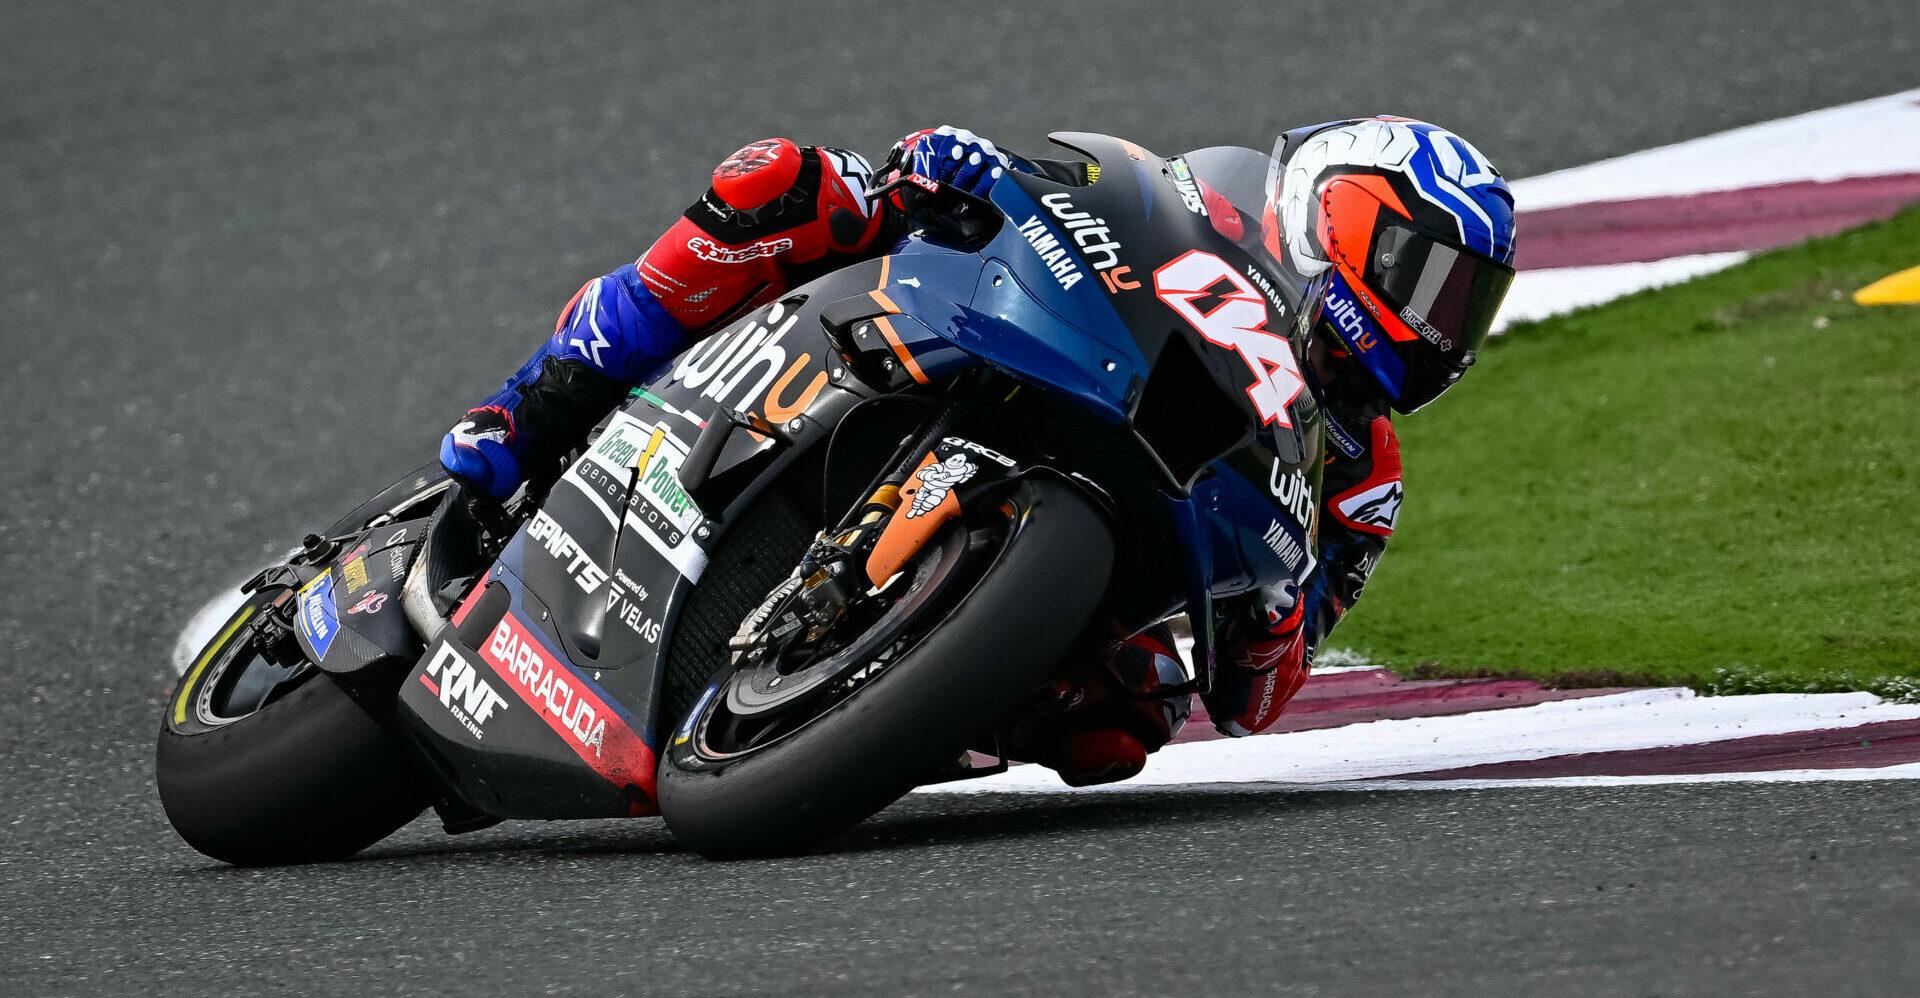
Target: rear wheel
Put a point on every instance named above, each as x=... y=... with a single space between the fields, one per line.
x=984 y=613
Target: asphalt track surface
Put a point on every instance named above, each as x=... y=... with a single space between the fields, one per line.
x=257 y=256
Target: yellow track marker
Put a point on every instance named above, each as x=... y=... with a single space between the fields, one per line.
x=1898 y=289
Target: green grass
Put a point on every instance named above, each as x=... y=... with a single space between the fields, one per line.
x=1712 y=484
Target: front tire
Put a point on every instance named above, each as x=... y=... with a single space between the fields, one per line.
x=864 y=751
x=260 y=763
x=308 y=775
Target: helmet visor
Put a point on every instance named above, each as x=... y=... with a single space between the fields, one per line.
x=1445 y=294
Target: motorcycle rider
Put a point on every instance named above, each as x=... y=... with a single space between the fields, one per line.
x=1401 y=233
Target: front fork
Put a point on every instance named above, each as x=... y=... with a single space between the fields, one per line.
x=933 y=477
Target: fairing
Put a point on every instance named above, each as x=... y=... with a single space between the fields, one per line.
x=1078 y=293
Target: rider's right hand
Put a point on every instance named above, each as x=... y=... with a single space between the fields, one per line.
x=476 y=453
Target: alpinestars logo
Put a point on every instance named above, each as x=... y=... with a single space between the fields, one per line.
x=460 y=689
x=707 y=249
x=853 y=171
x=937 y=480
x=589 y=311
x=1377 y=507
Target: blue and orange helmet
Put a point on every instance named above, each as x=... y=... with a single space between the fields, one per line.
x=1406 y=235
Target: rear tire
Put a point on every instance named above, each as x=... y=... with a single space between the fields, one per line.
x=865 y=751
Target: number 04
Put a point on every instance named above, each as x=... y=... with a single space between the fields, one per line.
x=1230 y=312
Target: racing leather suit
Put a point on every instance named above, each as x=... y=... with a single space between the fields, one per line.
x=780 y=214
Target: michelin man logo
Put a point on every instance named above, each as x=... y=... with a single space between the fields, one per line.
x=936 y=480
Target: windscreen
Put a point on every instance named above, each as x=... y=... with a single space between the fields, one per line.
x=1239 y=174
x=1242 y=176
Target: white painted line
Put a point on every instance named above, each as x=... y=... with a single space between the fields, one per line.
x=1331 y=660
x=1537 y=294
x=1871 y=138
x=1908 y=771
x=1639 y=719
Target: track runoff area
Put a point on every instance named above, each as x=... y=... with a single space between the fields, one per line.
x=1590 y=234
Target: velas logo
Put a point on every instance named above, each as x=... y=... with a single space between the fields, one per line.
x=454 y=682
x=707 y=249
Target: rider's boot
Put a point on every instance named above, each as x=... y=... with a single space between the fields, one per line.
x=1099 y=724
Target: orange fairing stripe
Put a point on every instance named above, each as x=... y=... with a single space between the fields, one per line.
x=900 y=349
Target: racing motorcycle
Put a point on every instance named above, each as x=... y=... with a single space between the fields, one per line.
x=818 y=559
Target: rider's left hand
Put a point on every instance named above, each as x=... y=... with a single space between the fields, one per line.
x=955 y=156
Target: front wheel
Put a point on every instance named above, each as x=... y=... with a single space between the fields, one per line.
x=260 y=764
x=263 y=758
x=1019 y=585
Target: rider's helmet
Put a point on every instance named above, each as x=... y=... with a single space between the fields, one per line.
x=1405 y=233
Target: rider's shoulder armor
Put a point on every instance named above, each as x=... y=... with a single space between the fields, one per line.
x=773 y=204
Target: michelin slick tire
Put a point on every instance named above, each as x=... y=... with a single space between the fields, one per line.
x=311 y=776
x=961 y=674
x=257 y=765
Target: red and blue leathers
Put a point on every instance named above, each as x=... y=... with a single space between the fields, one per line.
x=779 y=214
